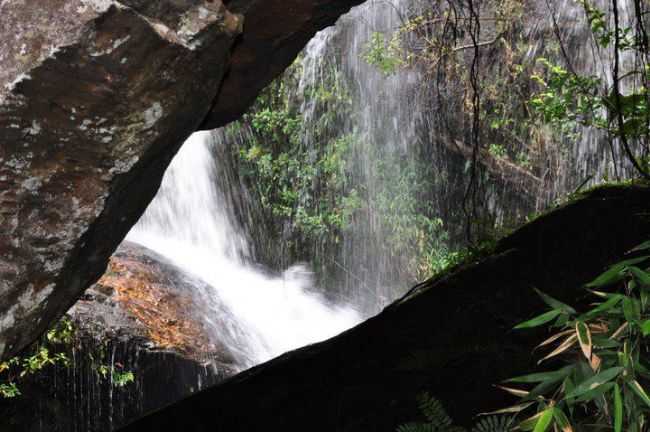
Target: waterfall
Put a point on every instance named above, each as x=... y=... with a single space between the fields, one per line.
x=189 y=224
x=204 y=221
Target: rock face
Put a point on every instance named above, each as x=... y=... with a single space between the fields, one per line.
x=274 y=34
x=96 y=97
x=144 y=315
x=451 y=336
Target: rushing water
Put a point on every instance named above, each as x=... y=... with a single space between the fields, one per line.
x=188 y=223
x=192 y=221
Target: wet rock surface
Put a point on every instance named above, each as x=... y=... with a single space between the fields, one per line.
x=451 y=336
x=145 y=316
x=274 y=33
x=96 y=97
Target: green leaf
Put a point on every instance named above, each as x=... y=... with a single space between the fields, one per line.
x=636 y=387
x=555 y=304
x=595 y=382
x=542 y=389
x=530 y=423
x=640 y=275
x=614 y=274
x=544 y=420
x=604 y=342
x=562 y=420
x=554 y=376
x=645 y=327
x=643 y=246
x=584 y=338
x=618 y=409
x=603 y=307
x=595 y=393
x=539 y=320
x=631 y=310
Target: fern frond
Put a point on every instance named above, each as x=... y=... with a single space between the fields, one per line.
x=433 y=410
x=495 y=423
x=416 y=427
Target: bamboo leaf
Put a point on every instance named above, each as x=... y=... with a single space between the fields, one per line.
x=603 y=307
x=530 y=423
x=539 y=320
x=601 y=294
x=645 y=327
x=630 y=310
x=562 y=420
x=614 y=273
x=584 y=338
x=636 y=387
x=568 y=343
x=555 y=337
x=618 y=409
x=595 y=381
x=594 y=393
x=513 y=391
x=619 y=330
x=599 y=327
x=553 y=376
x=544 y=420
x=604 y=342
x=555 y=304
x=640 y=275
x=541 y=389
x=643 y=246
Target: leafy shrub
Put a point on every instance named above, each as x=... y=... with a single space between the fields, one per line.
x=602 y=384
x=382 y=53
x=50 y=351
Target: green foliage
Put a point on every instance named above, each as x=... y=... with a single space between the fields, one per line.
x=9 y=390
x=494 y=423
x=437 y=419
x=118 y=376
x=604 y=378
x=49 y=352
x=317 y=182
x=498 y=151
x=383 y=53
x=598 y=22
x=44 y=355
x=290 y=177
x=121 y=378
x=567 y=99
x=62 y=332
x=415 y=238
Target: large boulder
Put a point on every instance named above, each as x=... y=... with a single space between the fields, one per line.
x=96 y=96
x=143 y=316
x=451 y=336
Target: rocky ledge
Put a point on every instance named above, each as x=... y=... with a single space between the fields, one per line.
x=451 y=336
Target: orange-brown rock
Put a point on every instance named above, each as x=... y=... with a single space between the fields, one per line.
x=145 y=316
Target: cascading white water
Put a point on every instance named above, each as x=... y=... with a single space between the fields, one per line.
x=188 y=223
